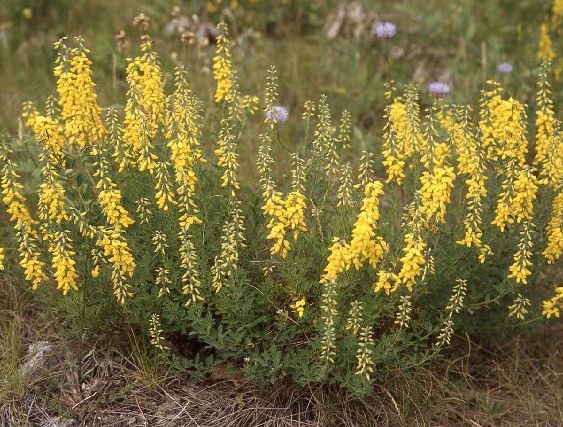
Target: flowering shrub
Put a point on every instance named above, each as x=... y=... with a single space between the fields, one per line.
x=324 y=276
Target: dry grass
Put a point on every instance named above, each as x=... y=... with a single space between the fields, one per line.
x=88 y=384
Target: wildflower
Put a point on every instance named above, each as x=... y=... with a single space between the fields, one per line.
x=143 y=210
x=435 y=193
x=505 y=68
x=52 y=202
x=520 y=268
x=163 y=280
x=110 y=202
x=519 y=308
x=364 y=353
x=338 y=261
x=545 y=48
x=412 y=260
x=159 y=242
x=30 y=261
x=345 y=130
x=118 y=254
x=324 y=139
x=502 y=125
x=63 y=265
x=13 y=197
x=554 y=229
x=386 y=281
x=164 y=195
x=2 y=258
x=191 y=282
x=355 y=318
x=144 y=110
x=366 y=171
x=553 y=306
x=365 y=245
x=403 y=316
x=515 y=203
x=309 y=108
x=549 y=149
x=329 y=313
x=285 y=216
x=155 y=333
x=232 y=239
x=402 y=134
x=344 y=193
x=299 y=307
x=227 y=157
x=471 y=162
x=47 y=130
x=439 y=88
x=455 y=304
x=77 y=97
x=384 y=30
x=277 y=114
x=222 y=67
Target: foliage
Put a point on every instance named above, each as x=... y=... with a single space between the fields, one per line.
x=460 y=230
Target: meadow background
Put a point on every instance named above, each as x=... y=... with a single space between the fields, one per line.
x=318 y=47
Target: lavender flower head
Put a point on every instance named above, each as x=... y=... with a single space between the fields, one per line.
x=504 y=68
x=384 y=29
x=438 y=88
x=277 y=114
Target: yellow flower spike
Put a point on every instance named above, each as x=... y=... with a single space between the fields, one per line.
x=387 y=282
x=144 y=110
x=412 y=260
x=80 y=111
x=110 y=202
x=299 y=307
x=60 y=247
x=520 y=268
x=554 y=229
x=222 y=66
x=2 y=258
x=553 y=306
x=545 y=48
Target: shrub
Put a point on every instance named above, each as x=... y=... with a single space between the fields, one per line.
x=310 y=272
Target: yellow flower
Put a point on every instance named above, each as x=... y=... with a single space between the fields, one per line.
x=299 y=307
x=412 y=260
x=77 y=97
x=144 y=110
x=553 y=306
x=386 y=281
x=2 y=258
x=435 y=193
x=338 y=261
x=554 y=230
x=63 y=265
x=47 y=130
x=502 y=126
x=545 y=50
x=285 y=216
x=520 y=268
x=52 y=202
x=516 y=201
x=222 y=66
x=115 y=214
x=365 y=244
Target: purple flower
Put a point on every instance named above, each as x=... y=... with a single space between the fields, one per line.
x=505 y=68
x=384 y=29
x=277 y=114
x=438 y=88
